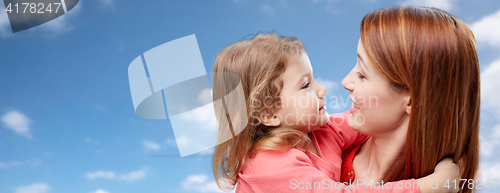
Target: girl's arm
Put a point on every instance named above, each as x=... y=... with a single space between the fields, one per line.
x=441 y=181
x=292 y=171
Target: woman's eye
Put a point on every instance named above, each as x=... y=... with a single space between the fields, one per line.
x=306 y=85
x=360 y=76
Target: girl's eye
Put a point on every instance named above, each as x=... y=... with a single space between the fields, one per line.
x=306 y=85
x=360 y=76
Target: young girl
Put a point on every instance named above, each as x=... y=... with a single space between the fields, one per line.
x=290 y=142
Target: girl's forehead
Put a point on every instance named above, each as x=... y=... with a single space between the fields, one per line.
x=297 y=71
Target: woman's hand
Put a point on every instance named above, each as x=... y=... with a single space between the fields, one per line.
x=441 y=181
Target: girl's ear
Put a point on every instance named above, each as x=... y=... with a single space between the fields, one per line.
x=269 y=119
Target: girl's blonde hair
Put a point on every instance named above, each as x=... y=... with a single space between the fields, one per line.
x=259 y=63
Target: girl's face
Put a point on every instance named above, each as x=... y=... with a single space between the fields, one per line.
x=302 y=104
x=377 y=108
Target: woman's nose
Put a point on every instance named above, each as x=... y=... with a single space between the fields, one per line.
x=347 y=83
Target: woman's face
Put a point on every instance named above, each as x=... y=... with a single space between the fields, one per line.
x=377 y=108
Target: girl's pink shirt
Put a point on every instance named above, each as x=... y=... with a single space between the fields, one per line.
x=296 y=170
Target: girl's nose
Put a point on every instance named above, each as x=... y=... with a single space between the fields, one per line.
x=322 y=91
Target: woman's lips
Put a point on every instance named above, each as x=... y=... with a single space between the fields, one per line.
x=354 y=107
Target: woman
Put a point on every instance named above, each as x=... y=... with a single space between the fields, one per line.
x=415 y=91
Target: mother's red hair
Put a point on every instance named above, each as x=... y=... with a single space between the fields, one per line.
x=431 y=54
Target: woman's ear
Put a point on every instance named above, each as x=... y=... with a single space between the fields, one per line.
x=269 y=119
x=407 y=104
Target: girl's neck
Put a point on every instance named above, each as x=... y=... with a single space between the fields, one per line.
x=377 y=154
x=311 y=147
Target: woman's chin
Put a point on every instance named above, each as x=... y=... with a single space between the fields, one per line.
x=353 y=125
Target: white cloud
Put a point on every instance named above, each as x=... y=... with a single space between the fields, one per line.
x=171 y=142
x=30 y=162
x=15 y=163
x=487 y=29
x=489 y=171
x=200 y=183
x=131 y=176
x=33 y=188
x=490 y=143
x=101 y=174
x=490 y=103
x=18 y=122
x=100 y=191
x=442 y=4
x=267 y=9
x=151 y=145
x=184 y=141
x=205 y=96
x=489 y=87
x=204 y=116
x=486 y=146
x=4 y=165
x=328 y=84
x=88 y=140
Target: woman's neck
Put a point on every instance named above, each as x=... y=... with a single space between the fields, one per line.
x=378 y=153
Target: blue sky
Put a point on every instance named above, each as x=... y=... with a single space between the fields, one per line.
x=67 y=119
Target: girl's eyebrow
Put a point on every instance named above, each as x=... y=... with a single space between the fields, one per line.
x=362 y=62
x=302 y=78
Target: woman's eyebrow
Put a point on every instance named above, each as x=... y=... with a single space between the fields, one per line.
x=362 y=62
